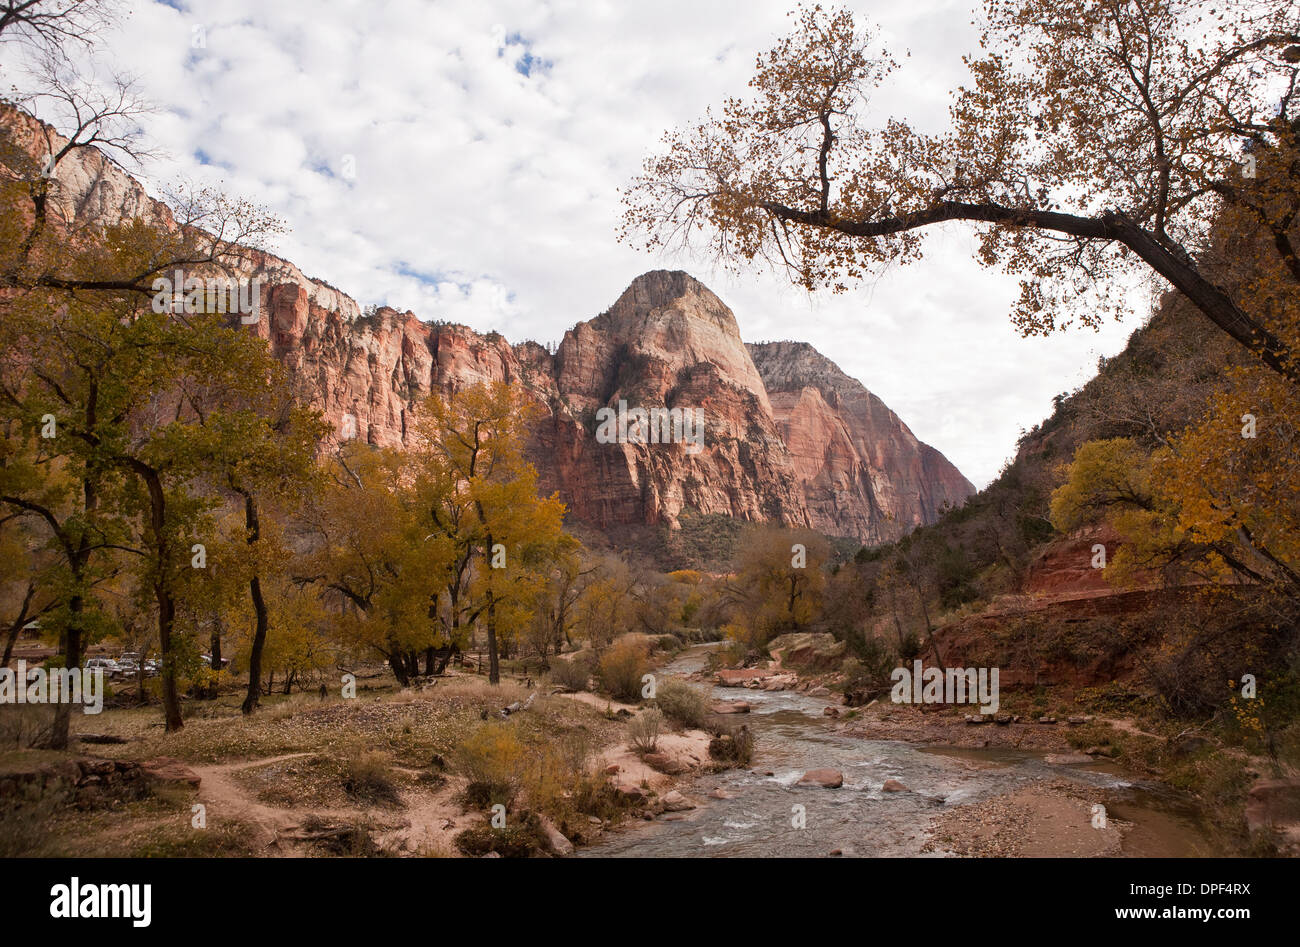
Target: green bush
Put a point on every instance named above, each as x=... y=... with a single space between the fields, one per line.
x=520 y=838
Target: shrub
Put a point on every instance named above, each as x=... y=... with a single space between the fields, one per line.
x=350 y=839
x=520 y=838
x=573 y=674
x=493 y=759
x=553 y=768
x=685 y=705
x=369 y=778
x=644 y=730
x=25 y=725
x=621 y=669
x=868 y=674
x=669 y=642
x=734 y=747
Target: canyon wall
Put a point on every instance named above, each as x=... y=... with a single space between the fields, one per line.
x=788 y=437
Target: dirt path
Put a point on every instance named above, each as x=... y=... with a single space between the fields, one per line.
x=426 y=825
x=226 y=799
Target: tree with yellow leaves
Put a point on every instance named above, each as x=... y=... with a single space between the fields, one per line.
x=481 y=503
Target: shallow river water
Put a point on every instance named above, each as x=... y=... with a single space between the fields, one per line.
x=793 y=736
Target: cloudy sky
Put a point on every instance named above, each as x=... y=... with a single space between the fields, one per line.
x=463 y=160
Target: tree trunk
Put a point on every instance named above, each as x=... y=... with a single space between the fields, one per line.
x=494 y=663
x=398 y=666
x=253 y=524
x=452 y=652
x=16 y=628
x=166 y=623
x=72 y=636
x=58 y=738
x=162 y=590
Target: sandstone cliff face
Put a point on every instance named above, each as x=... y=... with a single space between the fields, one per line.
x=788 y=437
x=860 y=466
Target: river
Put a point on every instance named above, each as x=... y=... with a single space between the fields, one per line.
x=793 y=736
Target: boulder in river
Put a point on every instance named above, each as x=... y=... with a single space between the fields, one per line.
x=676 y=802
x=737 y=677
x=731 y=707
x=829 y=778
x=893 y=785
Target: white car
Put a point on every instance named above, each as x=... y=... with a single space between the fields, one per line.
x=110 y=667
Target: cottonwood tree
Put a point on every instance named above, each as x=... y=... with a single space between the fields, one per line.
x=259 y=447
x=779 y=584
x=557 y=599
x=369 y=548
x=605 y=607
x=58 y=407
x=1096 y=140
x=468 y=450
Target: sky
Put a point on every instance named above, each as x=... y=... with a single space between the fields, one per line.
x=463 y=160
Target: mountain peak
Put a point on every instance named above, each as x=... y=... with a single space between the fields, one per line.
x=660 y=287
x=672 y=293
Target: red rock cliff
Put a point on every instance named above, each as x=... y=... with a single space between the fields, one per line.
x=788 y=437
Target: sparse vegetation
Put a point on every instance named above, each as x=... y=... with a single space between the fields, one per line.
x=643 y=730
x=683 y=704
x=572 y=673
x=732 y=746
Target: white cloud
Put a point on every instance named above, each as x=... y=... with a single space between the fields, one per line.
x=488 y=196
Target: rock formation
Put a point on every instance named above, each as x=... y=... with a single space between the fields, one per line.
x=788 y=437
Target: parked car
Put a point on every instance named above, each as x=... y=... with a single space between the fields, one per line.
x=110 y=667
x=207 y=659
x=128 y=663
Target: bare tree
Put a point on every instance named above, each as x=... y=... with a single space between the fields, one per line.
x=54 y=25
